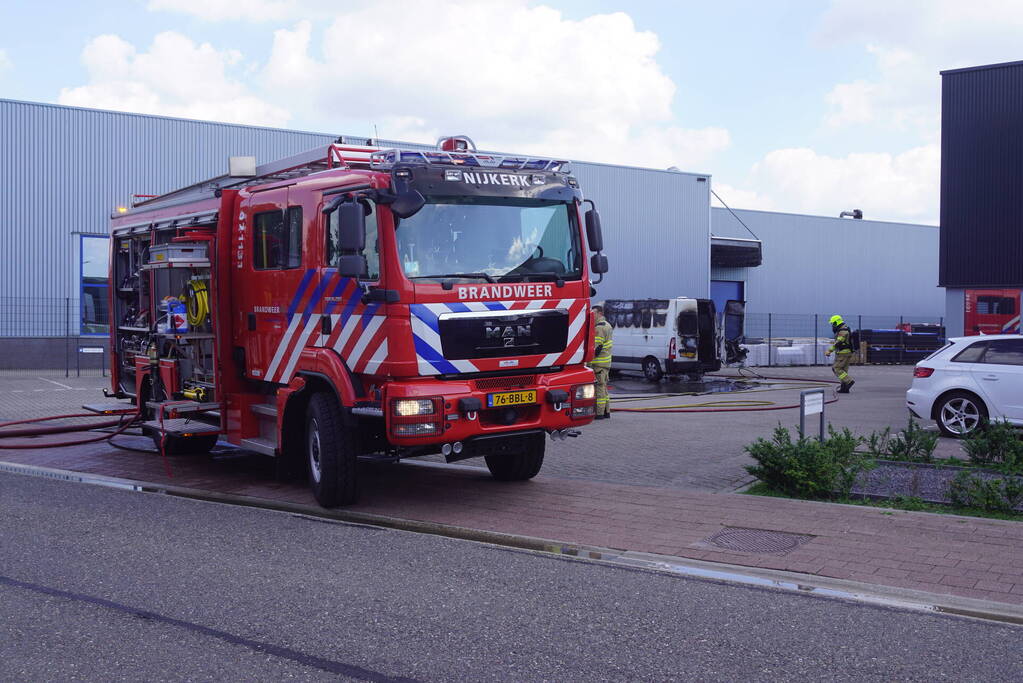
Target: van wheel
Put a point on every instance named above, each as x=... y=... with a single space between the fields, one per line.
x=330 y=452
x=959 y=414
x=652 y=369
x=518 y=466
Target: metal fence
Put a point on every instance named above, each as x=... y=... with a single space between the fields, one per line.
x=811 y=333
x=51 y=336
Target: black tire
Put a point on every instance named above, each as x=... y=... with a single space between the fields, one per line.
x=652 y=369
x=186 y=445
x=959 y=413
x=518 y=466
x=330 y=452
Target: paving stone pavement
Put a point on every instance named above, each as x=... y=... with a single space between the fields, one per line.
x=974 y=558
x=702 y=451
x=705 y=451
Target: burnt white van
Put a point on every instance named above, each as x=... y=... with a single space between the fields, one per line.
x=679 y=336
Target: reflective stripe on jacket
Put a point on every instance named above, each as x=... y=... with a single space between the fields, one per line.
x=602 y=344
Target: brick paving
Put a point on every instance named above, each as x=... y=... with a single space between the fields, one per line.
x=702 y=451
x=974 y=558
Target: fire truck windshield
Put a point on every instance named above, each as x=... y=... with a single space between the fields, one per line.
x=490 y=238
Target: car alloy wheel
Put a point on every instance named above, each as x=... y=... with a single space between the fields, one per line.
x=960 y=415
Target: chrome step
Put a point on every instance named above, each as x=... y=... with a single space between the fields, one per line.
x=259 y=445
x=264 y=409
x=182 y=427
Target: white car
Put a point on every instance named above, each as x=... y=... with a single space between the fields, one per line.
x=969 y=380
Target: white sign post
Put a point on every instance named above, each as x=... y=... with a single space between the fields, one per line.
x=811 y=402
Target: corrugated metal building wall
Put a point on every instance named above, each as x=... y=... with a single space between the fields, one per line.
x=63 y=170
x=656 y=228
x=817 y=264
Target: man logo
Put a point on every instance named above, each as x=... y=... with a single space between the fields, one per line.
x=507 y=333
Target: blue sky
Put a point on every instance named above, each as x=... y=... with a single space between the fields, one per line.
x=793 y=105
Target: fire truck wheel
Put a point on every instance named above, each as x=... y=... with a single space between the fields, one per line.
x=330 y=453
x=518 y=466
x=190 y=445
x=652 y=369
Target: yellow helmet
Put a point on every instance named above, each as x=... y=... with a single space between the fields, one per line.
x=836 y=320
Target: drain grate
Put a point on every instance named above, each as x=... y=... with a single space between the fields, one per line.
x=757 y=540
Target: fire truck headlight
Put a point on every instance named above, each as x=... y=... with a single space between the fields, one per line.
x=584 y=392
x=408 y=407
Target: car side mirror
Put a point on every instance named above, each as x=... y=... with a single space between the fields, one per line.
x=598 y=264
x=593 y=233
x=408 y=203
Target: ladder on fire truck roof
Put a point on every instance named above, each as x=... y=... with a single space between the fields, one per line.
x=345 y=155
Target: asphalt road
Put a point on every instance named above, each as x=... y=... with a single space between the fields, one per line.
x=101 y=584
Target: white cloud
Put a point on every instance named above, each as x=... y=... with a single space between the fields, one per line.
x=885 y=186
x=513 y=76
x=911 y=41
x=176 y=77
x=5 y=62
x=737 y=198
x=230 y=10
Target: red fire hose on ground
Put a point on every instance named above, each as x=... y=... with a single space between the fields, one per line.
x=6 y=433
x=126 y=419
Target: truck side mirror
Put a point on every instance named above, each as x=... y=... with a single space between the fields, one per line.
x=351 y=224
x=598 y=264
x=593 y=234
x=352 y=265
x=408 y=203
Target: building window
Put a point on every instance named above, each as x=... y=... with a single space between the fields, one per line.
x=94 y=293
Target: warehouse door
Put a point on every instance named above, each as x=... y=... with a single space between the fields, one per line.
x=722 y=291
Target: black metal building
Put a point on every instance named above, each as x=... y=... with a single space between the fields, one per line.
x=981 y=243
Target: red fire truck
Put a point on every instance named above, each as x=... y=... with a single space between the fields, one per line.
x=992 y=311
x=361 y=302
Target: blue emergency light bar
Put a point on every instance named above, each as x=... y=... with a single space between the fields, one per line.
x=390 y=157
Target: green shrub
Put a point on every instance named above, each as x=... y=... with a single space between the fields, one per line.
x=995 y=444
x=808 y=468
x=911 y=444
x=992 y=495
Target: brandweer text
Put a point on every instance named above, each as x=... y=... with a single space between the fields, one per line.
x=507 y=292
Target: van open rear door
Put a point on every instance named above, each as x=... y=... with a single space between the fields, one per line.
x=733 y=325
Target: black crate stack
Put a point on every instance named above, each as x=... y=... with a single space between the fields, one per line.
x=899 y=346
x=883 y=346
x=922 y=342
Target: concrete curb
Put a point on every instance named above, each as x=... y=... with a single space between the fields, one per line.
x=719 y=572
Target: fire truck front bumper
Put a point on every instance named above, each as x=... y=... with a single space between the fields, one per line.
x=429 y=411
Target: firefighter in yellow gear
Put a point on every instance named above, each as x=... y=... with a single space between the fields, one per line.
x=601 y=363
x=843 y=350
